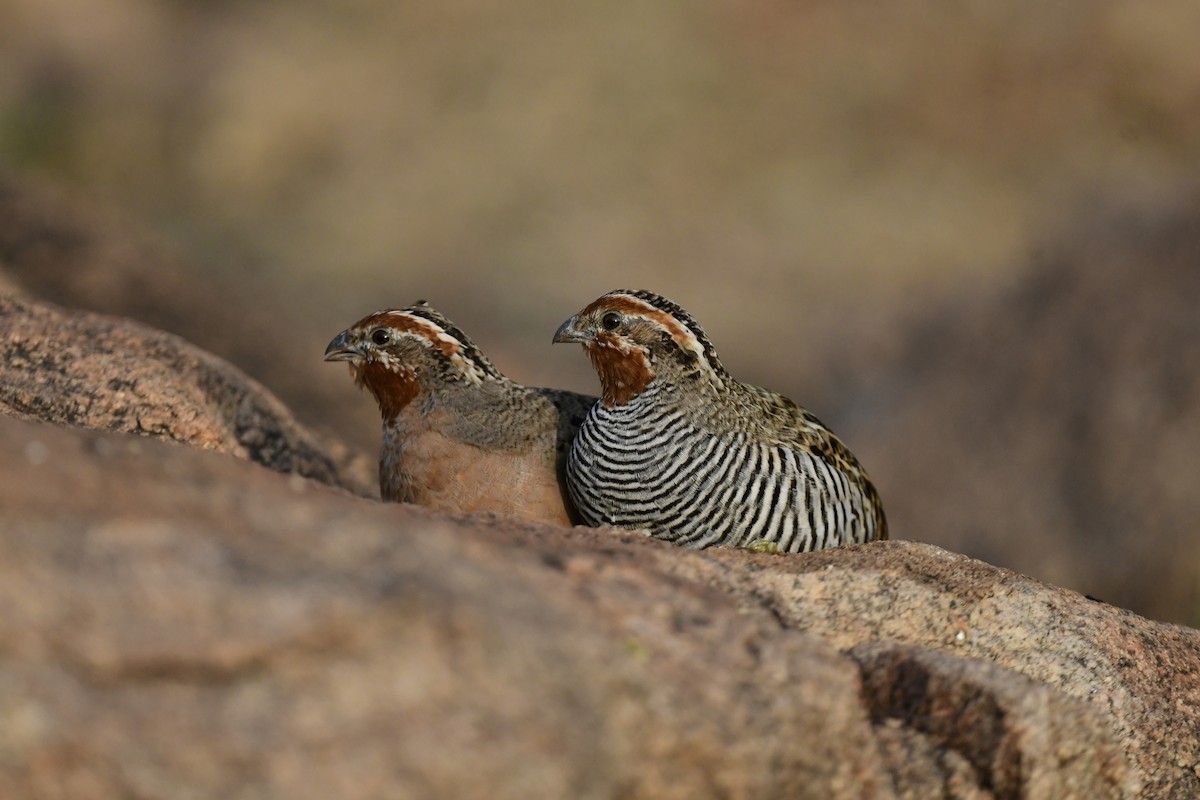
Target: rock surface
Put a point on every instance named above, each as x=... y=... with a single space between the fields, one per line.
x=186 y=624
x=80 y=368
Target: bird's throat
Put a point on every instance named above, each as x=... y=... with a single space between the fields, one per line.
x=624 y=373
x=393 y=388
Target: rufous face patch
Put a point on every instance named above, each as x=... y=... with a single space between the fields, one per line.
x=393 y=387
x=623 y=367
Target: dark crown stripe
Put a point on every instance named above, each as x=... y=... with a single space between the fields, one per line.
x=686 y=319
x=467 y=347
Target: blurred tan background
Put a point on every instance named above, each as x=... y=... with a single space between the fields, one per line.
x=926 y=221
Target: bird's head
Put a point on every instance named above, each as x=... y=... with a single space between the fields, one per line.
x=635 y=337
x=397 y=351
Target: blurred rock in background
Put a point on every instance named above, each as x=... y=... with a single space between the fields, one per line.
x=1055 y=428
x=902 y=216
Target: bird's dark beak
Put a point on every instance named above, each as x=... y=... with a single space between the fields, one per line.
x=341 y=349
x=571 y=331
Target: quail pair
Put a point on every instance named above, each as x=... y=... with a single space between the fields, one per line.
x=674 y=445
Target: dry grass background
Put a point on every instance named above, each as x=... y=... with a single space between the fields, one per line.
x=806 y=177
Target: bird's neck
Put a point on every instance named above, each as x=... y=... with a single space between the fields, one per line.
x=623 y=375
x=393 y=389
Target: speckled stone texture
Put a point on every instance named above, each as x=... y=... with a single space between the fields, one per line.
x=80 y=368
x=183 y=623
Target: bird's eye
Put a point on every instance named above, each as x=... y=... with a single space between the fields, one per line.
x=610 y=321
x=380 y=336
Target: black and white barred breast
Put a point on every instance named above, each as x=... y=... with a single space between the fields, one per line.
x=642 y=465
x=678 y=447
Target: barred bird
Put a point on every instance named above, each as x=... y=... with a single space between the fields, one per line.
x=678 y=447
x=458 y=435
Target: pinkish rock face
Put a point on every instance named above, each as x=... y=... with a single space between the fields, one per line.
x=80 y=368
x=174 y=578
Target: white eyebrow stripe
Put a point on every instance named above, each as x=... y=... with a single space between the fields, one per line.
x=432 y=331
